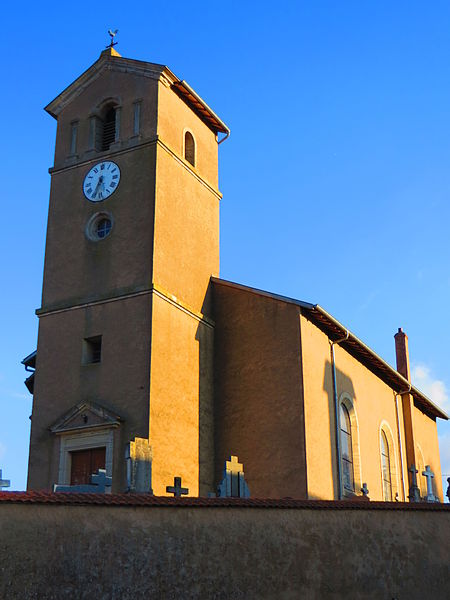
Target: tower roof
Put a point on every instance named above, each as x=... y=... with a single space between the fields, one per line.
x=111 y=60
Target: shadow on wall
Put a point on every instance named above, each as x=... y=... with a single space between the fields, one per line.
x=205 y=338
x=343 y=384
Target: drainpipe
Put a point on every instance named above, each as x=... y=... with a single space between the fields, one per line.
x=336 y=411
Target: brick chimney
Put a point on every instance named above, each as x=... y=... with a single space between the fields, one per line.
x=402 y=354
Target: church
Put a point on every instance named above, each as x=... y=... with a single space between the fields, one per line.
x=148 y=362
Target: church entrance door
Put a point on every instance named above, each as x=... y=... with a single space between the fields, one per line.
x=85 y=463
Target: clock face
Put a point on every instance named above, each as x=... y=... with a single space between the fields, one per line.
x=101 y=181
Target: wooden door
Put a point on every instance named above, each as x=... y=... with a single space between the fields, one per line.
x=85 y=463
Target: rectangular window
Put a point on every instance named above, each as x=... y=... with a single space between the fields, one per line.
x=92 y=350
x=73 y=137
x=137 y=118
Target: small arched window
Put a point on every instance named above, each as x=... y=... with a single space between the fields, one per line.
x=189 y=148
x=386 y=468
x=348 y=480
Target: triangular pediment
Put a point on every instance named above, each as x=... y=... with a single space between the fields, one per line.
x=85 y=415
x=109 y=60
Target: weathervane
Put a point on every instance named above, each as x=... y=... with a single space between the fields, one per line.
x=113 y=35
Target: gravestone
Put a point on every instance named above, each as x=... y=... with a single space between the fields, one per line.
x=414 y=492
x=365 y=490
x=4 y=483
x=138 y=455
x=176 y=488
x=429 y=475
x=233 y=484
x=100 y=484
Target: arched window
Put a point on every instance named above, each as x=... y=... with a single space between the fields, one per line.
x=386 y=468
x=104 y=127
x=348 y=479
x=109 y=128
x=189 y=148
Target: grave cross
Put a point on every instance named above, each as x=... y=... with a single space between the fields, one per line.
x=414 y=492
x=101 y=480
x=234 y=467
x=4 y=483
x=412 y=469
x=365 y=490
x=176 y=488
x=428 y=474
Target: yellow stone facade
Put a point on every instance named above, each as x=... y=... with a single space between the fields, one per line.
x=201 y=368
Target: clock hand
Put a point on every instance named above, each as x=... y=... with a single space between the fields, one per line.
x=100 y=182
x=96 y=189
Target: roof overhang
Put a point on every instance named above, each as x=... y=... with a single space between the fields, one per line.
x=353 y=345
x=200 y=107
x=30 y=360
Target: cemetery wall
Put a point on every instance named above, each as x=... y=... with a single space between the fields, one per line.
x=57 y=546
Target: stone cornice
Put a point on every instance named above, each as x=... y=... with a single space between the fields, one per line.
x=154 y=289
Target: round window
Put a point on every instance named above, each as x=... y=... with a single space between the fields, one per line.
x=99 y=226
x=103 y=227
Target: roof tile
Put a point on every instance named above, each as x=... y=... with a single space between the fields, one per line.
x=72 y=498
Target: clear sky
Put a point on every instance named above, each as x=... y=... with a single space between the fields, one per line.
x=336 y=176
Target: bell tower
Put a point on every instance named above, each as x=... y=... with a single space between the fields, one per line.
x=125 y=345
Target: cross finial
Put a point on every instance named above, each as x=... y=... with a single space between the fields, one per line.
x=113 y=35
x=176 y=488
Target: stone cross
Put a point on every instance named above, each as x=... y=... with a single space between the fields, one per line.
x=4 y=483
x=429 y=475
x=233 y=484
x=412 y=469
x=101 y=480
x=176 y=488
x=414 y=492
x=365 y=490
x=234 y=467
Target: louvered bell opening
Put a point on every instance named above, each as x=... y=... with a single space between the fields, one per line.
x=109 y=129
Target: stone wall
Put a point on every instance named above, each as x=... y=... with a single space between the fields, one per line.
x=125 y=547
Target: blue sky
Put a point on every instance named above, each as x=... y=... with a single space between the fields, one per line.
x=336 y=176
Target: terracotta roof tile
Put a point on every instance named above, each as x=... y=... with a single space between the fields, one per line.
x=191 y=502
